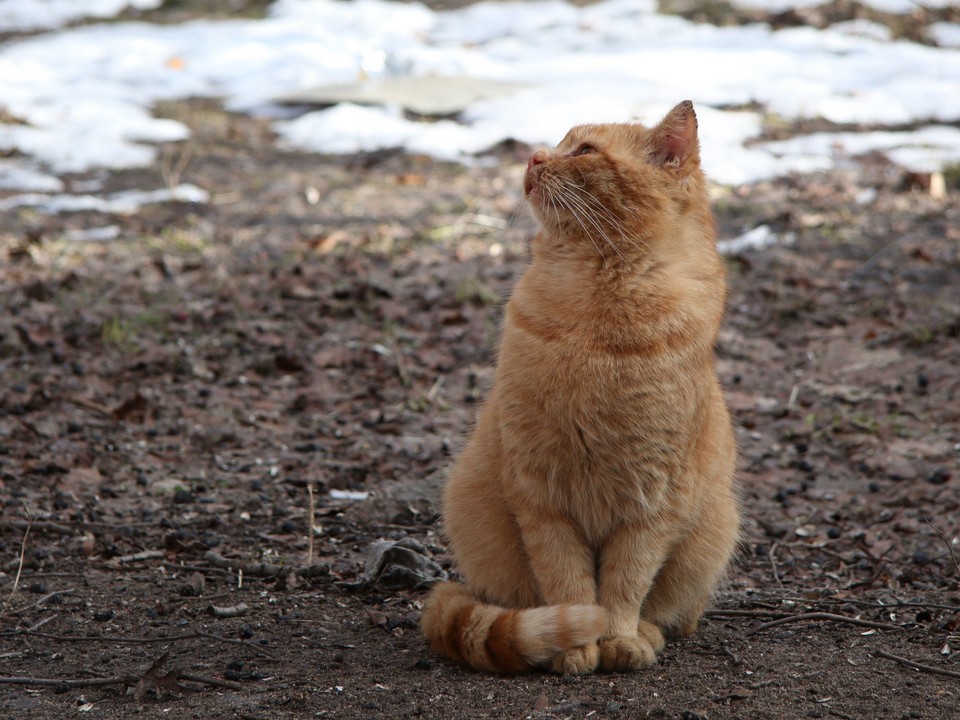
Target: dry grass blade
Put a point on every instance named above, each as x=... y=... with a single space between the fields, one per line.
x=16 y=580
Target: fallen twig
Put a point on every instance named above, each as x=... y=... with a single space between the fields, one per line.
x=215 y=682
x=179 y=567
x=265 y=570
x=260 y=569
x=42 y=600
x=256 y=649
x=831 y=617
x=916 y=665
x=137 y=557
x=91 y=405
x=102 y=638
x=38 y=526
x=70 y=684
x=718 y=612
x=41 y=623
x=875 y=604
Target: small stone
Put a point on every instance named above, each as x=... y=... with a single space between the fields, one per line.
x=192 y=586
x=939 y=476
x=183 y=496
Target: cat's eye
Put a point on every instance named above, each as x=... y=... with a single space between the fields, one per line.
x=584 y=149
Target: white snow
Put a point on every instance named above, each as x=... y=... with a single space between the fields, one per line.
x=945 y=34
x=83 y=96
x=755 y=239
x=121 y=203
x=349 y=494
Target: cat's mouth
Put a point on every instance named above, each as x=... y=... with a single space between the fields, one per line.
x=529 y=184
x=532 y=176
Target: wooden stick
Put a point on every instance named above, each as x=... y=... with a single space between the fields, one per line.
x=804 y=617
x=916 y=665
x=116 y=680
x=57 y=682
x=42 y=600
x=38 y=526
x=719 y=612
x=142 y=640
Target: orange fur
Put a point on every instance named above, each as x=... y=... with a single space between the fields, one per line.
x=600 y=472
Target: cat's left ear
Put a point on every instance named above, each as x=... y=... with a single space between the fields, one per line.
x=675 y=138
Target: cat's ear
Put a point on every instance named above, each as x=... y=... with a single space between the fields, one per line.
x=675 y=138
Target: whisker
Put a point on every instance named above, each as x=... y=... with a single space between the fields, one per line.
x=595 y=213
x=601 y=211
x=598 y=208
x=584 y=214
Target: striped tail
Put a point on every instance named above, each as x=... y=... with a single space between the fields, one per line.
x=487 y=637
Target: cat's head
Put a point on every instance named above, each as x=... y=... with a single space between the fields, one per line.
x=615 y=189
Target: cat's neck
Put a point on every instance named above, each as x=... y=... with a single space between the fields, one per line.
x=632 y=300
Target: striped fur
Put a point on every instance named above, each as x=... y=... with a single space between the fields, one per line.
x=487 y=637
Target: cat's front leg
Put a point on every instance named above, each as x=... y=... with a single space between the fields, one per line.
x=563 y=566
x=629 y=562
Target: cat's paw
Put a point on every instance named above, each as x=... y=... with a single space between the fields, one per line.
x=627 y=653
x=652 y=634
x=581 y=660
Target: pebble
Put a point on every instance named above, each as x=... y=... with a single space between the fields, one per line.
x=939 y=476
x=183 y=496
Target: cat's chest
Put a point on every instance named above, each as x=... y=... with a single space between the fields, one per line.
x=600 y=434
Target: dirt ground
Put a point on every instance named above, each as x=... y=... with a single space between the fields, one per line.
x=174 y=401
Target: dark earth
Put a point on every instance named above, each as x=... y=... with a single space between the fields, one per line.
x=175 y=401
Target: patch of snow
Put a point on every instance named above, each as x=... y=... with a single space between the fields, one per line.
x=757 y=238
x=124 y=202
x=85 y=94
x=349 y=494
x=945 y=34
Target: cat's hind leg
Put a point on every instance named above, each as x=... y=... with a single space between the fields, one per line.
x=692 y=571
x=489 y=550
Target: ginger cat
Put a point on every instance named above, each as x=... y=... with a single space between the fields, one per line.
x=592 y=510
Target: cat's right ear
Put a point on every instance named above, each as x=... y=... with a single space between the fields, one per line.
x=675 y=138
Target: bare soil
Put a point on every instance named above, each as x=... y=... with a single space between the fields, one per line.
x=173 y=400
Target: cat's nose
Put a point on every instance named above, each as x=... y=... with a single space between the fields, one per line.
x=537 y=158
